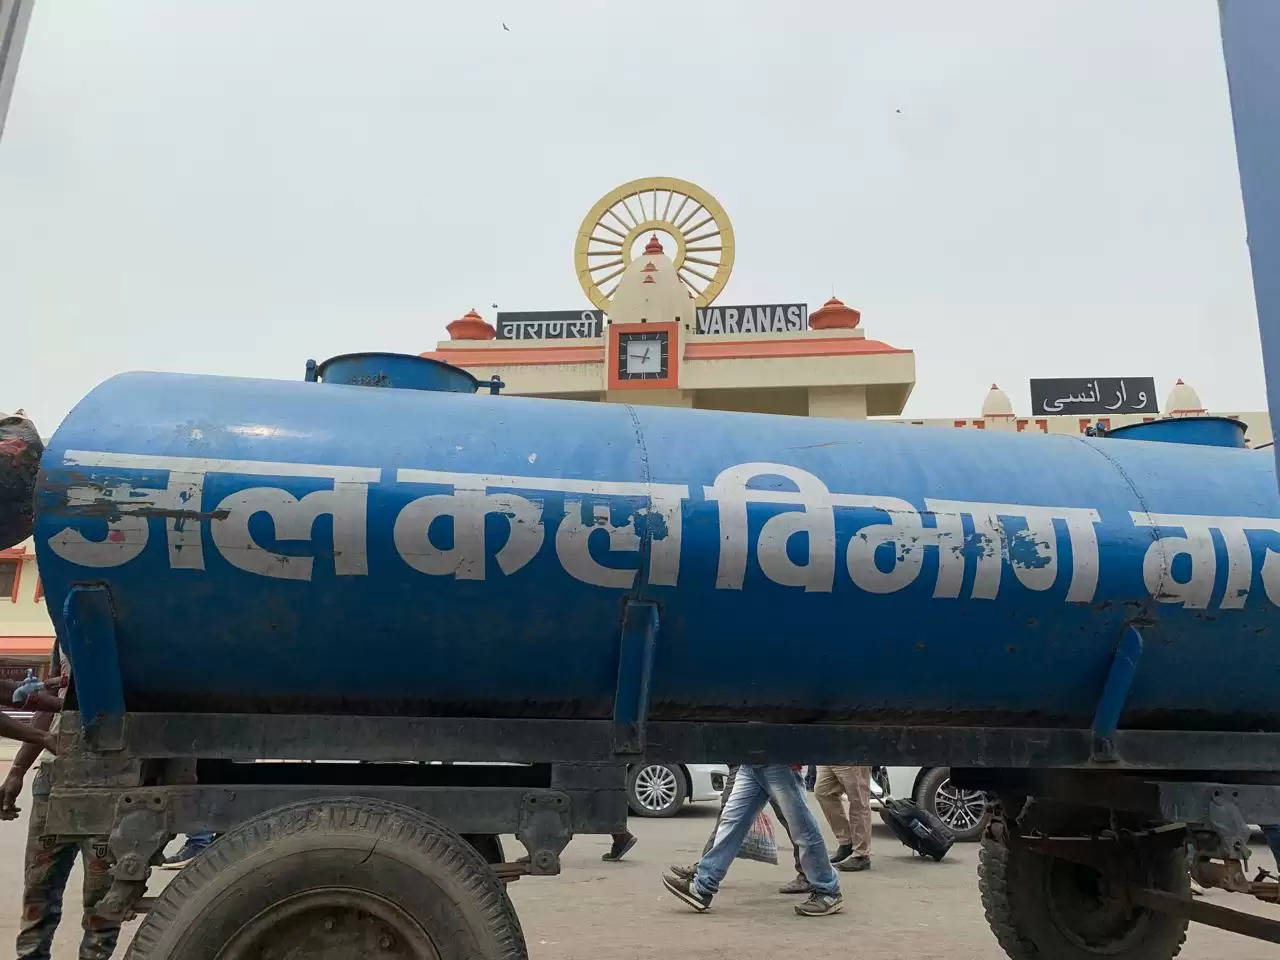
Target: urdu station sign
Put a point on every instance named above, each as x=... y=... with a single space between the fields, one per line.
x=1097 y=395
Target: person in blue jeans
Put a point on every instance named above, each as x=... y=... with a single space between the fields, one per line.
x=754 y=787
x=191 y=848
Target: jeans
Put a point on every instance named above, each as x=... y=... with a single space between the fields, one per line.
x=200 y=840
x=1272 y=832
x=777 y=812
x=754 y=787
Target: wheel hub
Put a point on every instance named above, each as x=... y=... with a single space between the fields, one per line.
x=959 y=809
x=331 y=923
x=1084 y=908
x=656 y=787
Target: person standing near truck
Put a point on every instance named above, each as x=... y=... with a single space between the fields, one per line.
x=755 y=786
x=852 y=829
x=49 y=858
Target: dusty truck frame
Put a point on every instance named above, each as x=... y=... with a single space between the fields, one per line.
x=150 y=776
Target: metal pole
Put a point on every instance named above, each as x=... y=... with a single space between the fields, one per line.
x=14 y=15
x=1251 y=47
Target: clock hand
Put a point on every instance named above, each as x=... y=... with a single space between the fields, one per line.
x=646 y=355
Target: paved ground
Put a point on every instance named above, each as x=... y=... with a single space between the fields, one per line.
x=903 y=908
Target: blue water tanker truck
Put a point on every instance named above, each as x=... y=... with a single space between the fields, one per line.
x=385 y=562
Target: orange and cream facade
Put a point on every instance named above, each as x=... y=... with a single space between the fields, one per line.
x=997 y=413
x=26 y=635
x=653 y=256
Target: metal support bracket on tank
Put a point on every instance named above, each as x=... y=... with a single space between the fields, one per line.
x=1106 y=716
x=635 y=667
x=90 y=636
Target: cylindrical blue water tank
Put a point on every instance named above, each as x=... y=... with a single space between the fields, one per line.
x=273 y=546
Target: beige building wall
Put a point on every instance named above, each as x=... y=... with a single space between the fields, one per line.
x=26 y=633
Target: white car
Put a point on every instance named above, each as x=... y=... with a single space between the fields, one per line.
x=964 y=811
x=661 y=789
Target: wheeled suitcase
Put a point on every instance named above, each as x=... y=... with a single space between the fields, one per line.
x=918 y=829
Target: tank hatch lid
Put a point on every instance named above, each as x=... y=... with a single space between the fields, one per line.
x=402 y=370
x=1202 y=431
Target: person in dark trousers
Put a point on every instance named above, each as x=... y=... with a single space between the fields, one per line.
x=798 y=884
x=49 y=857
x=754 y=785
x=622 y=842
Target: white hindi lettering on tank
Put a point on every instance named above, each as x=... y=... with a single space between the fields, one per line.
x=179 y=503
x=572 y=545
x=472 y=501
x=1032 y=552
x=468 y=506
x=730 y=492
x=904 y=532
x=1196 y=544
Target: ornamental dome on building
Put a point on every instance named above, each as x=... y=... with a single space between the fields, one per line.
x=1183 y=401
x=996 y=403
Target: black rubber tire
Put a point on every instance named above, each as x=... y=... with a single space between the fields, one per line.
x=927 y=795
x=379 y=849
x=1015 y=887
x=677 y=801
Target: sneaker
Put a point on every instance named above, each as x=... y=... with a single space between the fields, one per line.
x=620 y=848
x=684 y=890
x=797 y=885
x=820 y=905
x=188 y=852
x=842 y=852
x=684 y=873
x=854 y=864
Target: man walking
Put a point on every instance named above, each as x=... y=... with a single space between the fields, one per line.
x=755 y=786
x=852 y=829
x=49 y=857
x=797 y=884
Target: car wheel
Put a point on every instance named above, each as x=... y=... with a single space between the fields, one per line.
x=965 y=812
x=656 y=789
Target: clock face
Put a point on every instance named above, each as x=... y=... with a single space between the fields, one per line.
x=643 y=356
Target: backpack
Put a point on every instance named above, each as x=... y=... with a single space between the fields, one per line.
x=918 y=829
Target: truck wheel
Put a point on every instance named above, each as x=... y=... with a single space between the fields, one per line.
x=656 y=789
x=965 y=812
x=1039 y=907
x=334 y=879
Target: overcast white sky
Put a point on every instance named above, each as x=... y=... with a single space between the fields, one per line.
x=236 y=186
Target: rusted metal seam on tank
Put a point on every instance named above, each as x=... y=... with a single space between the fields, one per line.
x=1150 y=604
x=646 y=537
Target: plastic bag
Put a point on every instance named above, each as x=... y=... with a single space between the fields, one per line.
x=760 y=843
x=20 y=450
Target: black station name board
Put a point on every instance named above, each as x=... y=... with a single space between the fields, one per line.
x=1097 y=395
x=550 y=324
x=760 y=318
